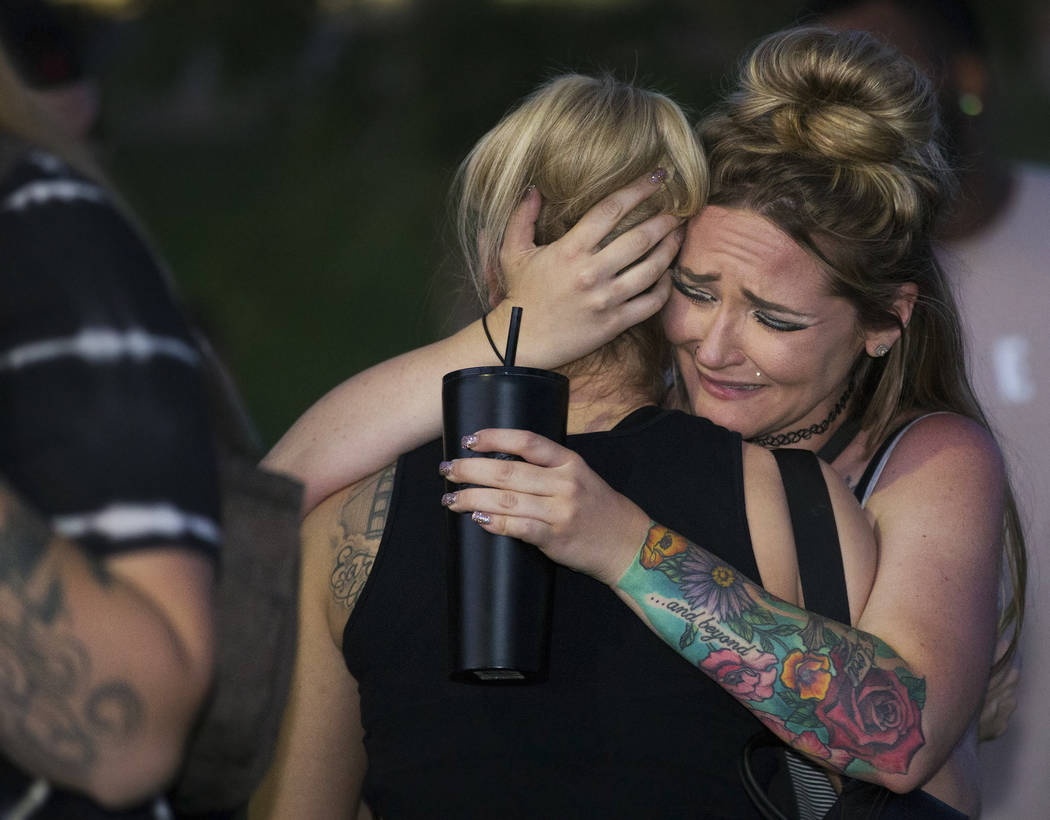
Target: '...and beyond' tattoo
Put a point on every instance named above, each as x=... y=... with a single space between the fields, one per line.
x=840 y=695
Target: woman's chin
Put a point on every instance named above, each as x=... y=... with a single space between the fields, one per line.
x=731 y=421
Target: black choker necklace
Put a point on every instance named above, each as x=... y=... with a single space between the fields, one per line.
x=795 y=436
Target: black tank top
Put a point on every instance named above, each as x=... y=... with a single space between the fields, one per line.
x=623 y=727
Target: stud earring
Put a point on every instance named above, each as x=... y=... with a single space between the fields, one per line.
x=880 y=351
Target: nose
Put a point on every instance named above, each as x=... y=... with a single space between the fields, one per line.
x=718 y=346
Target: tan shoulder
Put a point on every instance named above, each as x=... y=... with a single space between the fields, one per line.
x=341 y=538
x=769 y=524
x=857 y=545
x=776 y=552
x=945 y=447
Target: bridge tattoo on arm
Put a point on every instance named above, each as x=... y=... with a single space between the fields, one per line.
x=356 y=541
x=54 y=716
x=837 y=694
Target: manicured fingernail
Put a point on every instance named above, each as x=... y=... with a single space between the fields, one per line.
x=479 y=517
x=468 y=441
x=448 y=499
x=658 y=176
x=445 y=467
x=528 y=190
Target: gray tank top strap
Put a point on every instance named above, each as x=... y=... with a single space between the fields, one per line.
x=866 y=486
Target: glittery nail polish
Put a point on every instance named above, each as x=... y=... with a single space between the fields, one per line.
x=445 y=467
x=658 y=176
x=448 y=499
x=479 y=517
x=468 y=441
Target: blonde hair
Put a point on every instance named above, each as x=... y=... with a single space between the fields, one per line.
x=578 y=139
x=834 y=137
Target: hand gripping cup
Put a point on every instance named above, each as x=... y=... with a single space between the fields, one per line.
x=500 y=589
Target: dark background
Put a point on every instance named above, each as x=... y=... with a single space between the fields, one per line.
x=291 y=157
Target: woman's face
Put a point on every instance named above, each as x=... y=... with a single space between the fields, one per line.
x=761 y=344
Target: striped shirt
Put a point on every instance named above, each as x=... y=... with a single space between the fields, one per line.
x=103 y=422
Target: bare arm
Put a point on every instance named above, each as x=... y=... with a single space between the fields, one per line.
x=574 y=298
x=108 y=660
x=886 y=701
x=320 y=763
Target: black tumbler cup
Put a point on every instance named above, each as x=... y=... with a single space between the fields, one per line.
x=500 y=589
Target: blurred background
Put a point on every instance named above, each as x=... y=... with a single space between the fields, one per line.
x=290 y=158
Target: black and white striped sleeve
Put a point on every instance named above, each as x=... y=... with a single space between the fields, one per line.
x=103 y=419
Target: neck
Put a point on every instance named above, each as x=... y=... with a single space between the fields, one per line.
x=599 y=403
x=811 y=436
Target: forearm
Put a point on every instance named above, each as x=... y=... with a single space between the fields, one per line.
x=369 y=420
x=107 y=686
x=575 y=298
x=841 y=696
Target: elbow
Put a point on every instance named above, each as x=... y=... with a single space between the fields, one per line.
x=902 y=784
x=123 y=784
x=147 y=767
x=918 y=773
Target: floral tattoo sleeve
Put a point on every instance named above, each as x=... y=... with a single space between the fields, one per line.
x=842 y=696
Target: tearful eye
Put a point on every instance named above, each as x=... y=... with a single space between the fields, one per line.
x=778 y=324
x=693 y=294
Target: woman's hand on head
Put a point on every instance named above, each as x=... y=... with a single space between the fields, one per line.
x=552 y=499
x=576 y=296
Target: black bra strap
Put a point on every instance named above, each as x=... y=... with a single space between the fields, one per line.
x=840 y=439
x=873 y=464
x=816 y=537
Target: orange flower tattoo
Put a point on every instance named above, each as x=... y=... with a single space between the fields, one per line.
x=807 y=673
x=661 y=543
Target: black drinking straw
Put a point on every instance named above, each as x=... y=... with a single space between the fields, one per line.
x=512 y=337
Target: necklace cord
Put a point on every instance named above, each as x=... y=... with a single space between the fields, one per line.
x=804 y=434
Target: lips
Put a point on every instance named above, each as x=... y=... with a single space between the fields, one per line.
x=729 y=390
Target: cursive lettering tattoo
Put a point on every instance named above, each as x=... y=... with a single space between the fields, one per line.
x=358 y=531
x=842 y=696
x=53 y=714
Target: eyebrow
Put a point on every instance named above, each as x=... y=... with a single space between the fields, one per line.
x=757 y=301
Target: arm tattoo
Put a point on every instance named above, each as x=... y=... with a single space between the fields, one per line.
x=838 y=694
x=359 y=531
x=53 y=716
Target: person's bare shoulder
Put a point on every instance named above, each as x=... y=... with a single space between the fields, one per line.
x=341 y=539
x=856 y=541
x=947 y=454
x=772 y=538
x=770 y=525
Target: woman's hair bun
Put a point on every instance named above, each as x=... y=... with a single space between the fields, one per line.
x=847 y=98
x=843 y=133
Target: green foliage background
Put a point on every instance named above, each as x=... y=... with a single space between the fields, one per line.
x=292 y=166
